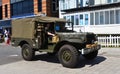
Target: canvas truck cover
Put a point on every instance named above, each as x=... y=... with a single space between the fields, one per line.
x=24 y=28
x=48 y=19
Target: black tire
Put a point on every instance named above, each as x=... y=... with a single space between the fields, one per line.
x=91 y=55
x=68 y=56
x=27 y=52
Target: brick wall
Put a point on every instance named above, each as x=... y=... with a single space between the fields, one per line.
x=35 y=6
x=46 y=7
x=6 y=2
x=0 y=12
x=49 y=10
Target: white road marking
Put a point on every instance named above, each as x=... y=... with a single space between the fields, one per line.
x=15 y=55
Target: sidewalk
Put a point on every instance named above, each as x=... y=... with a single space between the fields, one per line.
x=112 y=52
x=4 y=43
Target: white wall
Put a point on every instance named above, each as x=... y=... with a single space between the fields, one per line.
x=103 y=29
x=100 y=2
x=99 y=29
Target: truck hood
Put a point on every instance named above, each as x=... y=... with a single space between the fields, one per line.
x=74 y=36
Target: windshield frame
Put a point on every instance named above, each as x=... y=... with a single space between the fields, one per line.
x=65 y=26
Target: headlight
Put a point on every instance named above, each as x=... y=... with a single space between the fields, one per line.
x=36 y=40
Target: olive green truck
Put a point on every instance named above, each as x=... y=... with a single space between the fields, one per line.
x=31 y=35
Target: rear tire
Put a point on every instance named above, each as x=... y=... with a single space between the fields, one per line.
x=27 y=52
x=68 y=56
x=91 y=55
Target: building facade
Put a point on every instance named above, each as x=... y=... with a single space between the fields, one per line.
x=13 y=9
x=98 y=16
x=1 y=9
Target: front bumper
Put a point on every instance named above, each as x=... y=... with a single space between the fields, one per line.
x=90 y=48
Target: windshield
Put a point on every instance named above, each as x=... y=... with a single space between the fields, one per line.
x=64 y=27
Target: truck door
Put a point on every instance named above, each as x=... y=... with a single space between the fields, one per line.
x=42 y=36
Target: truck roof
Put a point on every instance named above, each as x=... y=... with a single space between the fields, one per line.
x=40 y=19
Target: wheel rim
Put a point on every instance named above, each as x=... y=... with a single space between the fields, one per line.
x=66 y=56
x=26 y=52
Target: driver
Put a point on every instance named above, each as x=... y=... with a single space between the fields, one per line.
x=50 y=31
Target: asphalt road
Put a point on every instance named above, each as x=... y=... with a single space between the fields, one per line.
x=9 y=54
x=11 y=62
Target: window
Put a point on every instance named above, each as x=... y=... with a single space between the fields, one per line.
x=81 y=19
x=14 y=7
x=96 y=18
x=91 y=18
x=72 y=19
x=101 y=18
x=30 y=4
x=112 y=17
x=79 y=3
x=109 y=1
x=22 y=7
x=64 y=17
x=77 y=19
x=67 y=4
x=6 y=11
x=86 y=3
x=114 y=0
x=107 y=17
x=68 y=19
x=61 y=4
x=54 y=5
x=117 y=16
x=86 y=19
x=39 y=5
x=14 y=1
x=91 y=2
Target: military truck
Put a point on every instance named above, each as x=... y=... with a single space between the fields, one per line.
x=31 y=35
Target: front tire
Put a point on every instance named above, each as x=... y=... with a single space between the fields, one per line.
x=91 y=55
x=27 y=52
x=68 y=56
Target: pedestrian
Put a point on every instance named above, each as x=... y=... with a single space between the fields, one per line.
x=6 y=37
